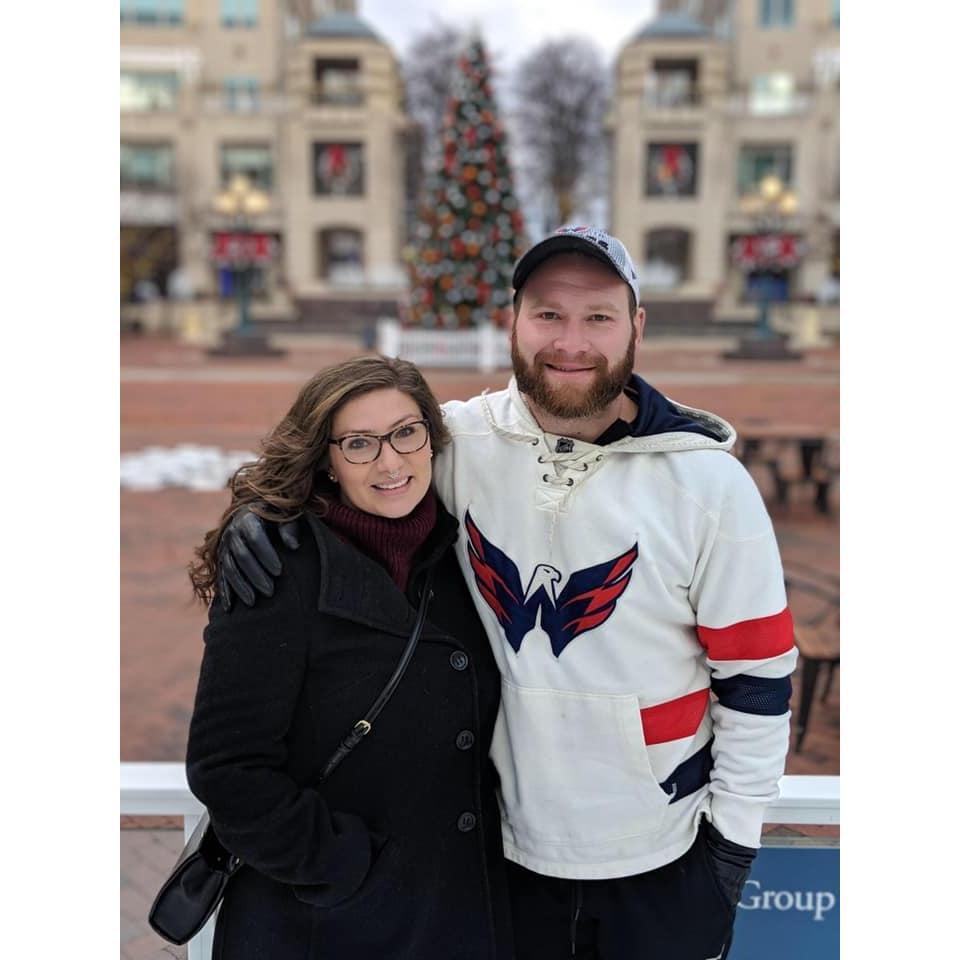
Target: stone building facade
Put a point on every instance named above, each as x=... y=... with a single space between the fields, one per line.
x=710 y=98
x=305 y=100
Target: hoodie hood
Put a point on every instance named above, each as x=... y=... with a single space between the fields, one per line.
x=661 y=425
x=656 y=415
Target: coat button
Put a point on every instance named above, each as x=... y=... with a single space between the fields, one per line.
x=459 y=660
x=464 y=740
x=466 y=822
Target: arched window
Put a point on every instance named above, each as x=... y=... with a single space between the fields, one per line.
x=340 y=255
x=666 y=258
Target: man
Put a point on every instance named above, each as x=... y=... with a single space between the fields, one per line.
x=629 y=581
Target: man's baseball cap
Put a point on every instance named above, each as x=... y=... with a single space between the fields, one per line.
x=592 y=241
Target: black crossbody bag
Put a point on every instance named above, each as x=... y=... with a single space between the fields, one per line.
x=198 y=881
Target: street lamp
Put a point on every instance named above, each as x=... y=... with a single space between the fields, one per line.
x=769 y=206
x=242 y=200
x=242 y=249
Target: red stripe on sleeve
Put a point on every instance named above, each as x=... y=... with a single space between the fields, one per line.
x=674 y=719
x=749 y=639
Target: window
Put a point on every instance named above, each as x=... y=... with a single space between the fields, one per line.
x=666 y=258
x=673 y=83
x=241 y=94
x=152 y=12
x=671 y=169
x=340 y=255
x=146 y=166
x=337 y=81
x=238 y=13
x=338 y=169
x=776 y=13
x=252 y=160
x=758 y=160
x=771 y=94
x=148 y=91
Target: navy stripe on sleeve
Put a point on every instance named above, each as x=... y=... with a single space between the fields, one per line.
x=763 y=696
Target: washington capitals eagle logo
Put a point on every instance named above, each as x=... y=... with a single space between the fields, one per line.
x=586 y=601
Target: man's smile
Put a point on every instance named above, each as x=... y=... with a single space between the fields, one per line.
x=569 y=367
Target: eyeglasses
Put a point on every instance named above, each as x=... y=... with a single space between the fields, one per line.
x=365 y=448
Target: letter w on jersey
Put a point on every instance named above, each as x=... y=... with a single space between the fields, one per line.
x=587 y=600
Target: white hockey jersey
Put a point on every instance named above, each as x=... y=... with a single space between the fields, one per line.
x=634 y=598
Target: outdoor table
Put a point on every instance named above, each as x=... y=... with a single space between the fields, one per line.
x=756 y=436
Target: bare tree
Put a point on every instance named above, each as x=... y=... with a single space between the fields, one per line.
x=562 y=94
x=428 y=70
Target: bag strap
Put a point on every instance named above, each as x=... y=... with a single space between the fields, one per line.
x=362 y=727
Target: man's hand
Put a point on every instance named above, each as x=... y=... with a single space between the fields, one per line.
x=731 y=862
x=248 y=563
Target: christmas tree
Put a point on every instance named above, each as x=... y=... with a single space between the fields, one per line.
x=469 y=230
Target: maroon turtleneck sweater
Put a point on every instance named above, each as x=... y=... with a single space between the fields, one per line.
x=393 y=543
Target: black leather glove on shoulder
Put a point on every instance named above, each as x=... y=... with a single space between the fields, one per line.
x=248 y=563
x=731 y=861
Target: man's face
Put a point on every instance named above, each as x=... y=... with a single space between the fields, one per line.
x=573 y=339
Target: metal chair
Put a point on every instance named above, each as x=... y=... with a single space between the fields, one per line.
x=817 y=635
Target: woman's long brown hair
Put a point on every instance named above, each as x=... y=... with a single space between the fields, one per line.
x=290 y=476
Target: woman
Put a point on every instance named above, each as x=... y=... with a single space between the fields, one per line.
x=397 y=854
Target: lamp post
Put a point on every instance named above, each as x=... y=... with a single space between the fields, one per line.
x=769 y=206
x=241 y=201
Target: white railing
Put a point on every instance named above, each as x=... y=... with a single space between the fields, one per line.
x=160 y=789
x=485 y=348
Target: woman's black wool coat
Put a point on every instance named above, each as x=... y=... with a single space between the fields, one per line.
x=398 y=853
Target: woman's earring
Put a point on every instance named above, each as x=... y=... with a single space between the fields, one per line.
x=332 y=476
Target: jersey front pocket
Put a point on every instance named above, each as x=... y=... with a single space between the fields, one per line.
x=574 y=766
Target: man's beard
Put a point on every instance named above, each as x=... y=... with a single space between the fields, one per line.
x=571 y=402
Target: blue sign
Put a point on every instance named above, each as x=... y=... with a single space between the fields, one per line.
x=790 y=906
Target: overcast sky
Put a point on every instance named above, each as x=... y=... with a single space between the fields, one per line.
x=511 y=28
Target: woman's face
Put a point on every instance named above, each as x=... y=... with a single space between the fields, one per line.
x=394 y=483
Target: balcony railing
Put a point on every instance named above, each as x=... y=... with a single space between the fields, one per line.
x=142 y=207
x=340 y=98
x=149 y=18
x=659 y=99
x=751 y=105
x=160 y=789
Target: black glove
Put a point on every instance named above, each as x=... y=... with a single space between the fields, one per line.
x=345 y=880
x=731 y=862
x=247 y=559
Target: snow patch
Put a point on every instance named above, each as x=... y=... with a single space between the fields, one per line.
x=186 y=465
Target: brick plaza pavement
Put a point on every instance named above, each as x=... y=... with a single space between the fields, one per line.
x=146 y=855
x=172 y=394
